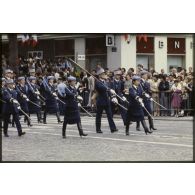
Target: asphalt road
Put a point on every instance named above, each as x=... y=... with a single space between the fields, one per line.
x=173 y=141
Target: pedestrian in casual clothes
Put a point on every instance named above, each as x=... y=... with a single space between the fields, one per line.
x=176 y=97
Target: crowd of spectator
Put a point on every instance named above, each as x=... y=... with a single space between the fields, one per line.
x=174 y=90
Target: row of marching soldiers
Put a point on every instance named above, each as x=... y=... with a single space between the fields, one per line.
x=24 y=97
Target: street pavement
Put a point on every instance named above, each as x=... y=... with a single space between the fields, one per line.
x=173 y=141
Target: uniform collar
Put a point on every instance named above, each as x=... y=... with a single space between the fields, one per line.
x=102 y=80
x=135 y=86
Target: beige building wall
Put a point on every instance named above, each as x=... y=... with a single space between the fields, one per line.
x=189 y=52
x=160 y=53
x=128 y=53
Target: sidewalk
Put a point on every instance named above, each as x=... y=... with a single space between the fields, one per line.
x=168 y=118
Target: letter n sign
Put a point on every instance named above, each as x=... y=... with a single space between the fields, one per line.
x=176 y=45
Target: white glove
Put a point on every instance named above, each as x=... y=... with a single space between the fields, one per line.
x=24 y=96
x=124 y=98
x=146 y=95
x=79 y=104
x=112 y=92
x=15 y=101
x=140 y=100
x=54 y=94
x=114 y=100
x=37 y=92
x=27 y=99
x=79 y=98
x=56 y=98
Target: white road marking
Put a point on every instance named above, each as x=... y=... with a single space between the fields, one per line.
x=121 y=140
x=141 y=133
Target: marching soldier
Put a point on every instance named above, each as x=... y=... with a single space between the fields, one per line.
x=145 y=85
x=11 y=107
x=3 y=81
x=135 y=110
x=34 y=96
x=72 y=114
x=61 y=94
x=8 y=74
x=51 y=99
x=22 y=91
x=118 y=86
x=103 y=102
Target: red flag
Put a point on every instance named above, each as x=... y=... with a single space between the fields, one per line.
x=143 y=36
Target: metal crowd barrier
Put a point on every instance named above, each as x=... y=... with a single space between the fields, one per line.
x=165 y=99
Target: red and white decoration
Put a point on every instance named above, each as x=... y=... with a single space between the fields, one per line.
x=127 y=38
x=143 y=36
x=29 y=40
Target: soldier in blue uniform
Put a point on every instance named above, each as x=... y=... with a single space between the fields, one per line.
x=103 y=102
x=11 y=107
x=135 y=110
x=51 y=99
x=3 y=81
x=72 y=113
x=33 y=95
x=118 y=86
x=22 y=91
x=8 y=74
x=61 y=94
x=145 y=85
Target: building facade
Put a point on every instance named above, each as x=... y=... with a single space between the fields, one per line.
x=152 y=50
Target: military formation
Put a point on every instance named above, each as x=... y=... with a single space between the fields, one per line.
x=28 y=95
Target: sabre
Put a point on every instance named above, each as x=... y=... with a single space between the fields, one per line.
x=120 y=106
x=2 y=101
x=86 y=111
x=61 y=101
x=92 y=76
x=151 y=99
x=41 y=96
x=158 y=104
x=80 y=104
x=147 y=112
x=34 y=91
x=28 y=99
x=19 y=108
x=51 y=92
x=33 y=103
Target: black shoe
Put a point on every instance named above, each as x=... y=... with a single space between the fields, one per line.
x=64 y=137
x=147 y=131
x=138 y=129
x=127 y=133
x=82 y=134
x=60 y=122
x=30 y=125
x=153 y=128
x=6 y=135
x=114 y=130
x=99 y=131
x=44 y=122
x=22 y=133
